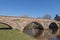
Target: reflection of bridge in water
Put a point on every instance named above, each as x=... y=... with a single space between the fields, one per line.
x=36 y=30
x=42 y=28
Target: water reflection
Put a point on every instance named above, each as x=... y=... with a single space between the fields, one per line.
x=55 y=37
x=33 y=32
x=33 y=29
x=38 y=33
x=53 y=27
x=53 y=31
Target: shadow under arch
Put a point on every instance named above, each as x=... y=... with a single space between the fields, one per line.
x=53 y=27
x=4 y=26
x=34 y=29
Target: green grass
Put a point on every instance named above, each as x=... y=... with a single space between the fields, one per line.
x=14 y=35
x=3 y=26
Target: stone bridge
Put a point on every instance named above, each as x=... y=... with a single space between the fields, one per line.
x=20 y=23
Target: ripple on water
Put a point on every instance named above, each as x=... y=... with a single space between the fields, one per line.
x=55 y=37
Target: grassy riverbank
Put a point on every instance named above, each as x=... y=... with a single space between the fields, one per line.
x=14 y=35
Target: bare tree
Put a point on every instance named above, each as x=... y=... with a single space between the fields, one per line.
x=25 y=16
x=47 y=16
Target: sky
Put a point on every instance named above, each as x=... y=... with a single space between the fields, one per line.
x=32 y=8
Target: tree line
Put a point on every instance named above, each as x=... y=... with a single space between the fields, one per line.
x=46 y=16
x=57 y=17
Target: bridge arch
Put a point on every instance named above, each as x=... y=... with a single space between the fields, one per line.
x=6 y=26
x=34 y=29
x=53 y=27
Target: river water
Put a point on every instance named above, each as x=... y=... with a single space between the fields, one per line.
x=43 y=35
x=54 y=38
x=49 y=36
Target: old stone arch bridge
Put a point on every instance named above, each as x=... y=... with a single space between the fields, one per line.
x=20 y=23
